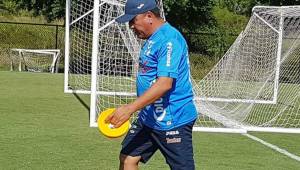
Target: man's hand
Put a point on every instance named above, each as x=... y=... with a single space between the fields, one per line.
x=157 y=90
x=120 y=116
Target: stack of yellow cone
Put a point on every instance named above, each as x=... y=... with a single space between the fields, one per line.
x=107 y=129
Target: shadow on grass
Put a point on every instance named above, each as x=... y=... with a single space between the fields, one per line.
x=82 y=102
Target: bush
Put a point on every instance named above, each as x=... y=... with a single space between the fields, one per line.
x=215 y=40
x=9 y=6
x=200 y=65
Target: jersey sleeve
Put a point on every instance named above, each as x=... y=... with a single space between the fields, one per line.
x=169 y=58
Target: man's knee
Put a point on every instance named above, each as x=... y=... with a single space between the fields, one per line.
x=129 y=160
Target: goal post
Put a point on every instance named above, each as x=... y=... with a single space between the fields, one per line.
x=254 y=87
x=101 y=55
x=35 y=60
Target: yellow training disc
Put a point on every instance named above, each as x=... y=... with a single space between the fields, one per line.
x=107 y=129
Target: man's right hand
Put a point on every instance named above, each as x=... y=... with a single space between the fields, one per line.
x=120 y=116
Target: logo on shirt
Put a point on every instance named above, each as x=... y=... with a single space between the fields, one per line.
x=159 y=109
x=143 y=68
x=169 y=53
x=149 y=46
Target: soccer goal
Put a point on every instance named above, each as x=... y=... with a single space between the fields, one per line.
x=35 y=60
x=254 y=87
x=101 y=55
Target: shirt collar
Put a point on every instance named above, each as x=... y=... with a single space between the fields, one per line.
x=157 y=31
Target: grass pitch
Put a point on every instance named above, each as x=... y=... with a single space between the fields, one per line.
x=43 y=128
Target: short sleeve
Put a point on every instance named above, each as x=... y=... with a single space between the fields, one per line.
x=169 y=58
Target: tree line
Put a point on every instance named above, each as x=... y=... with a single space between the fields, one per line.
x=186 y=15
x=210 y=26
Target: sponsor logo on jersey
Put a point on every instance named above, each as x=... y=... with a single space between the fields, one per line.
x=169 y=53
x=149 y=46
x=143 y=68
x=159 y=110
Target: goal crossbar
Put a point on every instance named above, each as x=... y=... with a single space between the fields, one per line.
x=254 y=86
x=54 y=53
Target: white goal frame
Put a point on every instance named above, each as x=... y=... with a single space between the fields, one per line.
x=54 y=53
x=230 y=126
x=241 y=128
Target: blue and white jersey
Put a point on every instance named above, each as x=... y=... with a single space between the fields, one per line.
x=165 y=54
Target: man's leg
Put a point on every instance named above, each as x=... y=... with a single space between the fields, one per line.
x=176 y=146
x=137 y=147
x=129 y=162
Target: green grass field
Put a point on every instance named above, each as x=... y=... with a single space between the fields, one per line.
x=43 y=128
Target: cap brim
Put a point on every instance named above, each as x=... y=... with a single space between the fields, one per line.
x=125 y=18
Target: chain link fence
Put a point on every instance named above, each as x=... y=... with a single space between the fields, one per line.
x=206 y=47
x=28 y=36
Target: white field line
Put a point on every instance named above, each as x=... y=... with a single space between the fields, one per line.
x=274 y=147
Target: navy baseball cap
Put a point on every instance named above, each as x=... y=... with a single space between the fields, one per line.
x=135 y=7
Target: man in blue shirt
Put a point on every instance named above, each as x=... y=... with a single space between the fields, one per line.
x=164 y=89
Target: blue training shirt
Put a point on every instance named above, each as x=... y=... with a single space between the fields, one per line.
x=165 y=54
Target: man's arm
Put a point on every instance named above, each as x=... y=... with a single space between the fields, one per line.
x=156 y=91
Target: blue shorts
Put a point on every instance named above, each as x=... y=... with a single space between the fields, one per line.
x=175 y=144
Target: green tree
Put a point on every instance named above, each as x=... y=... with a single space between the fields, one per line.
x=279 y=2
x=55 y=10
x=244 y=7
x=51 y=9
x=188 y=15
x=241 y=7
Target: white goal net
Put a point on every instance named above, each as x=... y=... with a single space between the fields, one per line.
x=35 y=60
x=255 y=86
x=102 y=55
